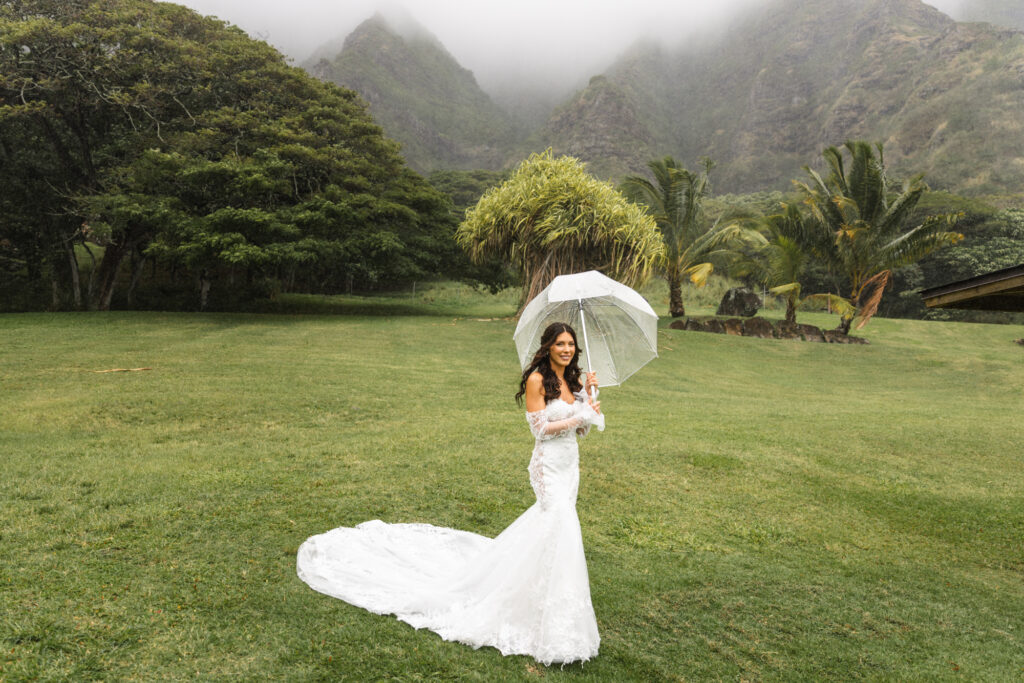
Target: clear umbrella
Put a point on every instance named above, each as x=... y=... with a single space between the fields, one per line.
x=619 y=327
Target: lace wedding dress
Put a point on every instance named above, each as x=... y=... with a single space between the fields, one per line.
x=524 y=592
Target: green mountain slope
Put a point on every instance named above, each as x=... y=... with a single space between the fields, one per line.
x=422 y=97
x=802 y=74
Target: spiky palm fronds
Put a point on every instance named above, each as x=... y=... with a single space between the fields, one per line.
x=551 y=217
x=675 y=199
x=857 y=220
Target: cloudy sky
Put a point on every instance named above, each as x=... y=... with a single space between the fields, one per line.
x=496 y=39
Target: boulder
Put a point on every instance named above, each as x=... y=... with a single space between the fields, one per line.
x=834 y=337
x=739 y=301
x=785 y=330
x=810 y=333
x=1019 y=341
x=758 y=327
x=678 y=325
x=733 y=326
x=714 y=325
x=695 y=325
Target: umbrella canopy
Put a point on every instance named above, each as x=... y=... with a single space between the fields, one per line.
x=619 y=327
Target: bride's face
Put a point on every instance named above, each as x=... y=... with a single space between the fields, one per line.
x=562 y=351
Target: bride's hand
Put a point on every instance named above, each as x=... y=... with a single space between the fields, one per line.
x=591 y=381
x=596 y=405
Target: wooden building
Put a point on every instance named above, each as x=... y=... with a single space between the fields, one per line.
x=1001 y=290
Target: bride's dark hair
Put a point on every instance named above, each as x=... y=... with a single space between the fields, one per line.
x=542 y=364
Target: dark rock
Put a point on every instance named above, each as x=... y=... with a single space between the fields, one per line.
x=836 y=337
x=786 y=330
x=695 y=325
x=739 y=301
x=678 y=324
x=1019 y=341
x=857 y=340
x=758 y=327
x=810 y=333
x=714 y=325
x=733 y=326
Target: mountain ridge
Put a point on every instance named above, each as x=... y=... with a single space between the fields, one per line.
x=421 y=96
x=943 y=96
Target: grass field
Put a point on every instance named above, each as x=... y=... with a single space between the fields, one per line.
x=756 y=510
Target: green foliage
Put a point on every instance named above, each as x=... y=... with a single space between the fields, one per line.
x=861 y=228
x=676 y=202
x=993 y=240
x=551 y=217
x=161 y=135
x=465 y=188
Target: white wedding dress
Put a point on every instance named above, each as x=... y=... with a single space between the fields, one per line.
x=525 y=592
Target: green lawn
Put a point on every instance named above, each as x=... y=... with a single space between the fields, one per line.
x=756 y=510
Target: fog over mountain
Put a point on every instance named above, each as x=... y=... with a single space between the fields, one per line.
x=555 y=45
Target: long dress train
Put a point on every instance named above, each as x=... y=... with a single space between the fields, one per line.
x=524 y=592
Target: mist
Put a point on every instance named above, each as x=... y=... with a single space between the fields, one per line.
x=556 y=45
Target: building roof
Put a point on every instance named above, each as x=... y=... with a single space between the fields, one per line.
x=1001 y=290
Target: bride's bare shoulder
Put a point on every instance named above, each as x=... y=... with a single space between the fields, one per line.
x=535 y=392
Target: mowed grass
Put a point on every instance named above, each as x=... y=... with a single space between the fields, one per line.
x=756 y=510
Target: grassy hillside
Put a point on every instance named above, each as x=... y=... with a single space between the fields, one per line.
x=756 y=509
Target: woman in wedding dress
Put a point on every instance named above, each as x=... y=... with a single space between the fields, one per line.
x=524 y=592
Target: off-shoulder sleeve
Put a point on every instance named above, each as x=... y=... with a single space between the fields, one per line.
x=544 y=429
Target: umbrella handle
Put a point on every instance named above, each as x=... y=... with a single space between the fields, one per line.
x=586 y=346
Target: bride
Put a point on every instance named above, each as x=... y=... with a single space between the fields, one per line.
x=525 y=592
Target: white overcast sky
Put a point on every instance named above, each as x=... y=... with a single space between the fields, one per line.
x=496 y=39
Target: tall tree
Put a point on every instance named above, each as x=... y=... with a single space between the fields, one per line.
x=861 y=224
x=158 y=133
x=551 y=217
x=675 y=199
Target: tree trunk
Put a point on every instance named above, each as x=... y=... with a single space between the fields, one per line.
x=138 y=262
x=113 y=257
x=204 y=289
x=76 y=281
x=675 y=297
x=791 y=311
x=844 y=325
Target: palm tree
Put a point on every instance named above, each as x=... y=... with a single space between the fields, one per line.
x=863 y=227
x=551 y=217
x=774 y=257
x=676 y=201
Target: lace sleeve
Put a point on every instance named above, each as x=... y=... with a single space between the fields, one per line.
x=544 y=429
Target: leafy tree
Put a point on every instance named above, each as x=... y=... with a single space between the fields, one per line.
x=465 y=189
x=159 y=134
x=676 y=201
x=551 y=217
x=862 y=225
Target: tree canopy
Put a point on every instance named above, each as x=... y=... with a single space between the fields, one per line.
x=551 y=217
x=145 y=132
